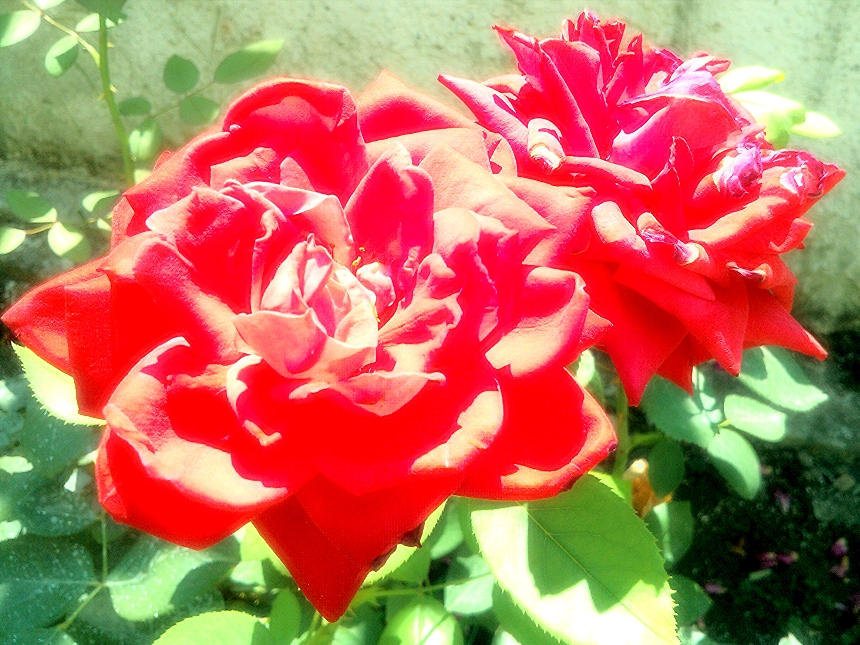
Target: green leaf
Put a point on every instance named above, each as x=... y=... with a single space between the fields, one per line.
x=422 y=622
x=61 y=56
x=180 y=74
x=678 y=414
x=285 y=621
x=47 y=4
x=10 y=425
x=588 y=376
x=155 y=576
x=218 y=628
x=43 y=636
x=816 y=126
x=581 y=565
x=448 y=533
x=100 y=202
x=30 y=207
x=14 y=394
x=134 y=106
x=361 y=626
x=672 y=525
x=52 y=445
x=41 y=580
x=18 y=25
x=754 y=417
x=513 y=619
x=691 y=601
x=145 y=140
x=403 y=553
x=737 y=462
x=777 y=113
x=54 y=512
x=69 y=243
x=665 y=467
x=111 y=9
x=774 y=375
x=90 y=23
x=248 y=62
x=743 y=79
x=197 y=110
x=10 y=239
x=475 y=596
x=54 y=389
x=252 y=547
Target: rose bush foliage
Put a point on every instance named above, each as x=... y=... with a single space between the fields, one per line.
x=325 y=317
x=689 y=208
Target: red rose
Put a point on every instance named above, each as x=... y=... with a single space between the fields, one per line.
x=317 y=317
x=690 y=207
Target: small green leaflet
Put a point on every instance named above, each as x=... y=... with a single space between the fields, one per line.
x=134 y=106
x=144 y=141
x=61 y=56
x=816 y=126
x=285 y=620
x=248 y=62
x=10 y=239
x=112 y=9
x=737 y=462
x=18 y=25
x=30 y=207
x=672 y=525
x=218 y=628
x=692 y=601
x=755 y=418
x=679 y=415
x=774 y=375
x=54 y=389
x=474 y=596
x=198 y=110
x=581 y=565
x=69 y=243
x=744 y=79
x=665 y=466
x=180 y=74
x=422 y=622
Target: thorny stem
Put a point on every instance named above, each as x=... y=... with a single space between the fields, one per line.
x=108 y=93
x=622 y=429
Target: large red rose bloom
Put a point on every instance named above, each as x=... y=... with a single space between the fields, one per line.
x=320 y=317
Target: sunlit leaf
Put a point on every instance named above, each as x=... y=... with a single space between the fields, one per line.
x=581 y=565
x=248 y=62
x=474 y=596
x=448 y=533
x=180 y=74
x=198 y=110
x=90 y=23
x=18 y=25
x=48 y=4
x=737 y=462
x=10 y=239
x=111 y=9
x=672 y=525
x=285 y=619
x=69 y=243
x=134 y=106
x=61 y=56
x=422 y=622
x=54 y=389
x=816 y=126
x=218 y=628
x=755 y=418
x=41 y=580
x=145 y=140
x=52 y=445
x=665 y=467
x=743 y=79
x=678 y=414
x=100 y=202
x=252 y=547
x=30 y=207
x=774 y=375
x=690 y=599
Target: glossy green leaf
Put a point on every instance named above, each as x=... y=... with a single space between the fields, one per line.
x=755 y=418
x=155 y=576
x=198 y=110
x=18 y=25
x=248 y=62
x=737 y=462
x=474 y=596
x=665 y=467
x=30 y=207
x=403 y=553
x=816 y=126
x=145 y=140
x=61 y=56
x=69 y=243
x=52 y=445
x=41 y=580
x=100 y=202
x=581 y=565
x=54 y=512
x=678 y=414
x=743 y=79
x=10 y=239
x=39 y=636
x=218 y=628
x=672 y=525
x=691 y=601
x=422 y=622
x=180 y=74
x=111 y=9
x=774 y=375
x=134 y=106
x=54 y=389
x=253 y=547
x=90 y=23
x=285 y=621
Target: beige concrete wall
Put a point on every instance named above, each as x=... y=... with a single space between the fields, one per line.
x=58 y=122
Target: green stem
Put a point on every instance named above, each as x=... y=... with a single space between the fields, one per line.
x=645 y=439
x=71 y=32
x=86 y=601
x=108 y=92
x=103 y=522
x=175 y=105
x=370 y=592
x=622 y=429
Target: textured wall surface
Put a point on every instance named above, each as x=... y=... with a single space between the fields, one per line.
x=59 y=122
